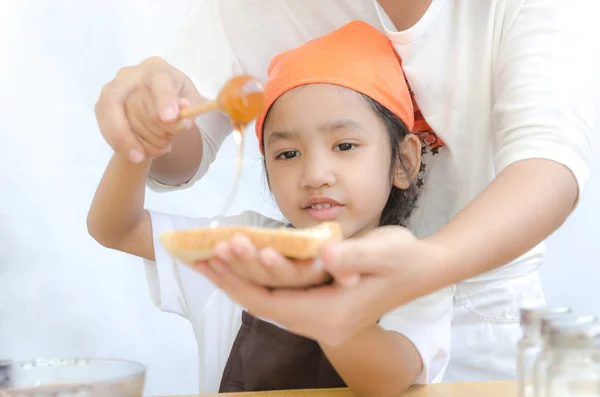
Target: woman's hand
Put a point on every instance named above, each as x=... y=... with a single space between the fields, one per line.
x=138 y=111
x=382 y=270
x=267 y=267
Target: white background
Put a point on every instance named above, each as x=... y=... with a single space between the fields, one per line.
x=60 y=292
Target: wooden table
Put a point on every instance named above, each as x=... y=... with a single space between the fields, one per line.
x=469 y=389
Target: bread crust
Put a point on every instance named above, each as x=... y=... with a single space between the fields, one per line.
x=189 y=246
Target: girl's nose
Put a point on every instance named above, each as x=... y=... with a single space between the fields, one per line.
x=317 y=172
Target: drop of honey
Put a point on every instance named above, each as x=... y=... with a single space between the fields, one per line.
x=243 y=99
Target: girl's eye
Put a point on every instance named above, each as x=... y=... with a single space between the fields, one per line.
x=288 y=154
x=345 y=146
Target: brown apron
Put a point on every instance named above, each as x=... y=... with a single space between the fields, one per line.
x=266 y=357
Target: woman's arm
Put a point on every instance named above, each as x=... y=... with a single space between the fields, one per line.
x=376 y=362
x=527 y=202
x=117 y=218
x=543 y=97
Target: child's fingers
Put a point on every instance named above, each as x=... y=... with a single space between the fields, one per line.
x=137 y=116
x=266 y=266
x=184 y=103
x=204 y=268
x=141 y=129
x=243 y=260
x=217 y=265
x=249 y=257
x=160 y=128
x=273 y=259
x=154 y=134
x=157 y=130
x=151 y=149
x=276 y=266
x=224 y=252
x=243 y=248
x=287 y=273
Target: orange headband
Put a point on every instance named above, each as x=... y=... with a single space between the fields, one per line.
x=356 y=56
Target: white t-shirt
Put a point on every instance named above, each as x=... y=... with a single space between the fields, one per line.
x=215 y=319
x=498 y=81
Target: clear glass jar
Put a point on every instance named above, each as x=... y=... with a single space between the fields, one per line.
x=574 y=370
x=530 y=344
x=72 y=377
x=544 y=357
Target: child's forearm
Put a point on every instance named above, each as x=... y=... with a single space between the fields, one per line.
x=117 y=218
x=376 y=362
x=524 y=204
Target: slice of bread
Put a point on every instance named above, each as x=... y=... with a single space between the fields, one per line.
x=197 y=244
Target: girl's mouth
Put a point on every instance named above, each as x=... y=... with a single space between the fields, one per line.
x=324 y=211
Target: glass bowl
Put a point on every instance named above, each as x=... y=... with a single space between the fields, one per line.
x=71 y=377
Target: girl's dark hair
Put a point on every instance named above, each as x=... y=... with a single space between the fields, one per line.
x=401 y=202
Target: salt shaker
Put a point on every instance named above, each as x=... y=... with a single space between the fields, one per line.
x=530 y=344
x=574 y=369
x=544 y=357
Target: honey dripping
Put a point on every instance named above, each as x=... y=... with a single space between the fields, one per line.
x=243 y=99
x=238 y=138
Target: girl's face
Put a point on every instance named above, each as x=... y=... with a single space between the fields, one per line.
x=328 y=157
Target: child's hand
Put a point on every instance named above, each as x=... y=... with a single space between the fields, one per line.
x=138 y=111
x=154 y=134
x=266 y=267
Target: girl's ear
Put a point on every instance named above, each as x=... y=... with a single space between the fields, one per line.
x=407 y=170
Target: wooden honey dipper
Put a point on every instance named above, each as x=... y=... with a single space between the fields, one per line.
x=242 y=98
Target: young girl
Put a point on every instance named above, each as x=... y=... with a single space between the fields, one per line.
x=337 y=146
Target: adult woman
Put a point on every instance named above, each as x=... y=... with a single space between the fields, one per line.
x=510 y=114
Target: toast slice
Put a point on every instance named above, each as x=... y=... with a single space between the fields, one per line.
x=193 y=245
